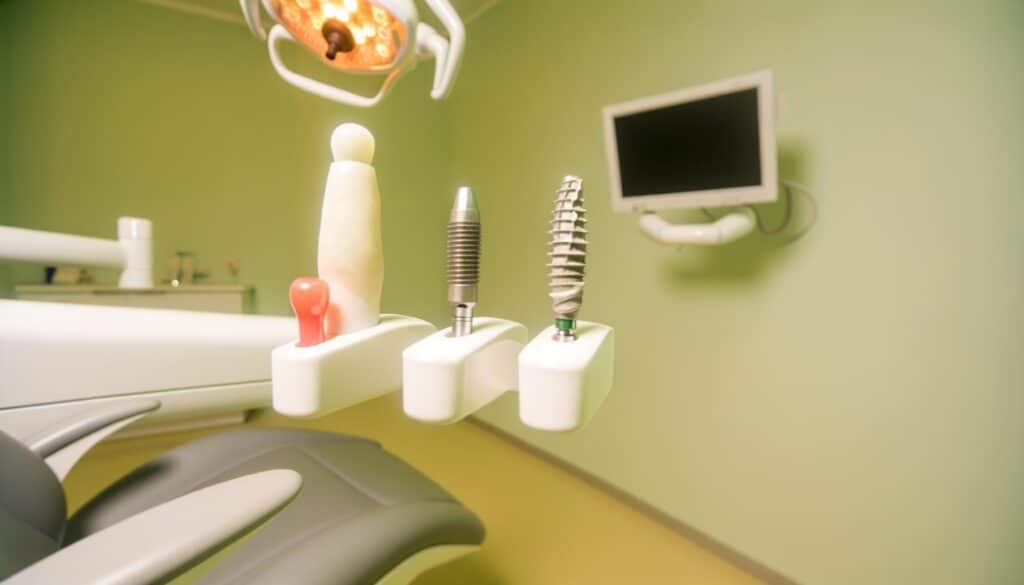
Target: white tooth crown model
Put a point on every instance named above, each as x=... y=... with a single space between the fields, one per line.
x=355 y=357
x=350 y=254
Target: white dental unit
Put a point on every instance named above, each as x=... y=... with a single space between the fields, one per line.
x=74 y=374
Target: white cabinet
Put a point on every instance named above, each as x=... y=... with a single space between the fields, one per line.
x=214 y=298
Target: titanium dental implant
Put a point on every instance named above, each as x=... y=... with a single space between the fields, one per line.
x=567 y=257
x=463 y=260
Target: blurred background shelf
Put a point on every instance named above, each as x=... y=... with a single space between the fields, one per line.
x=214 y=298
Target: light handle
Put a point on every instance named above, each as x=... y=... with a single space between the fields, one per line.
x=279 y=34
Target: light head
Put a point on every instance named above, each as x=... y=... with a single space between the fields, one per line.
x=382 y=37
x=359 y=36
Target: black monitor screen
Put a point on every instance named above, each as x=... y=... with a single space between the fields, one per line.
x=711 y=143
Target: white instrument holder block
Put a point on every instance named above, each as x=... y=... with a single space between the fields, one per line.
x=446 y=378
x=561 y=383
x=345 y=370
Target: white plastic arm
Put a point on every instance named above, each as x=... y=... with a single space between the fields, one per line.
x=727 y=228
x=132 y=250
x=251 y=11
x=279 y=34
x=446 y=378
x=163 y=542
x=445 y=74
x=561 y=384
x=430 y=43
x=63 y=444
x=344 y=370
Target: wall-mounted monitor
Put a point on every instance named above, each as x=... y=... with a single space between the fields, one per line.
x=707 y=146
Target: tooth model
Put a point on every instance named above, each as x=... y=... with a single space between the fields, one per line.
x=323 y=370
x=350 y=256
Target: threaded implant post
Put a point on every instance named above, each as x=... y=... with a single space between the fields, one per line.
x=567 y=256
x=463 y=260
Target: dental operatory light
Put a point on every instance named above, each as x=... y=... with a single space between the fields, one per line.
x=382 y=37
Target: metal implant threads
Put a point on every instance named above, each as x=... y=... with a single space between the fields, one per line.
x=463 y=260
x=568 y=256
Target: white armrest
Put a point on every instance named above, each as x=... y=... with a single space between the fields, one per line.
x=162 y=542
x=64 y=443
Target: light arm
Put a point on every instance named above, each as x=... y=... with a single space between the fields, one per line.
x=251 y=11
x=444 y=77
x=727 y=228
x=431 y=44
x=163 y=542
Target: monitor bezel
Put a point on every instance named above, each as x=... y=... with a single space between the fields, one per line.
x=766 y=192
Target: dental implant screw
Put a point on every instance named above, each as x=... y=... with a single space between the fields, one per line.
x=567 y=256
x=463 y=260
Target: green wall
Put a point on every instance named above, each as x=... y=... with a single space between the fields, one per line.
x=129 y=109
x=5 y=133
x=847 y=409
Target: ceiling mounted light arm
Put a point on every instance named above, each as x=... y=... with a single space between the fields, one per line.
x=431 y=44
x=251 y=12
x=452 y=58
x=383 y=37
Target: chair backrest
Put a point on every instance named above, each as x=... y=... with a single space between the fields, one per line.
x=33 y=511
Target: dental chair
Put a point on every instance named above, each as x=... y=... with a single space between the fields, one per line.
x=254 y=506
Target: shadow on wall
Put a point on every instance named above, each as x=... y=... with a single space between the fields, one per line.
x=753 y=257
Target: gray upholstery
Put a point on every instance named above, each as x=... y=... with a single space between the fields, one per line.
x=361 y=510
x=32 y=508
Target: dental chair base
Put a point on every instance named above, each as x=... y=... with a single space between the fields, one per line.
x=563 y=383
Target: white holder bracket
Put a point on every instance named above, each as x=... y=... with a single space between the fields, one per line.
x=561 y=384
x=345 y=370
x=446 y=378
x=724 y=230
